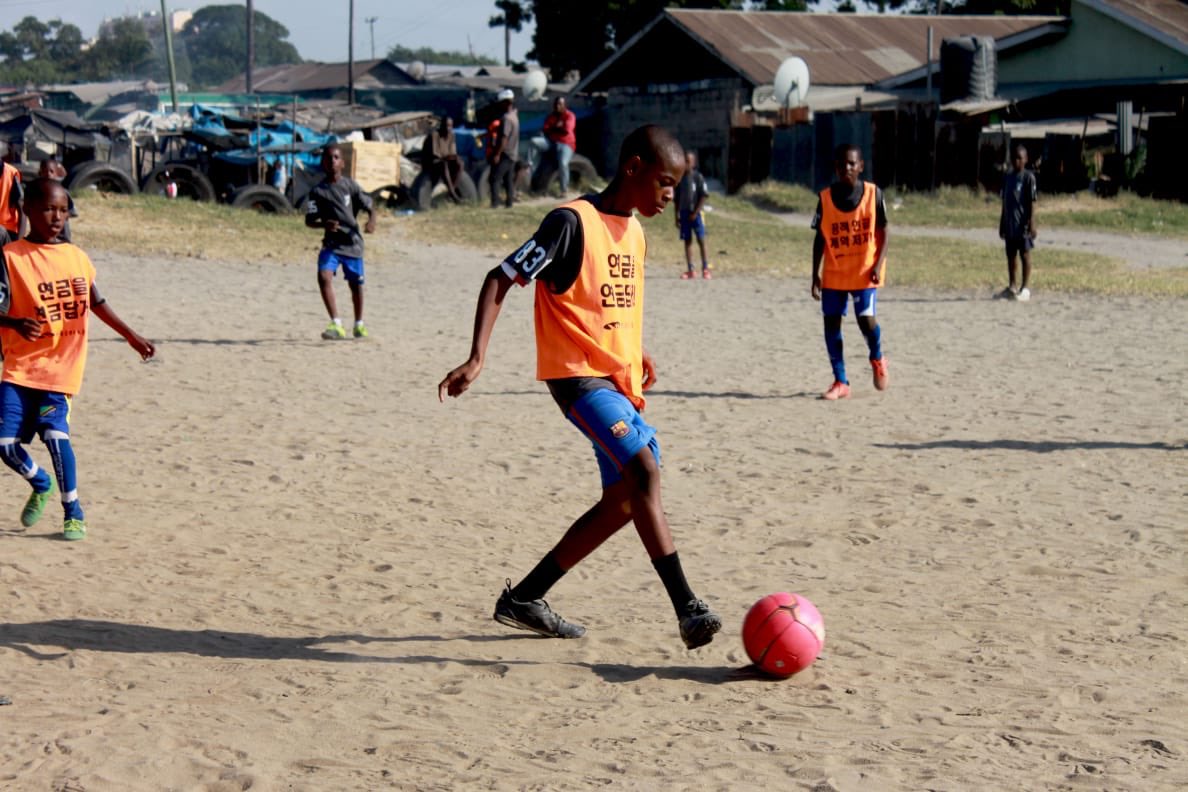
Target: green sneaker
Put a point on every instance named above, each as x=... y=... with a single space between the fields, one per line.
x=335 y=332
x=35 y=506
x=73 y=530
x=360 y=331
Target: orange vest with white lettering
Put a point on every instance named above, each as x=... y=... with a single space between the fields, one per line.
x=50 y=283
x=850 y=249
x=595 y=327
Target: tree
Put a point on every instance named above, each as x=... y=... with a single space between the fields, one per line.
x=515 y=13
x=216 y=41
x=402 y=54
x=122 y=52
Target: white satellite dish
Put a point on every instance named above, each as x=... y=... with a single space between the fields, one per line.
x=791 y=82
x=536 y=83
x=416 y=70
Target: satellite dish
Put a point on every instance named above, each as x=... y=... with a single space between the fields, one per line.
x=536 y=83
x=416 y=70
x=791 y=82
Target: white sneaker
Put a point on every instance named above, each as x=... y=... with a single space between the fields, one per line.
x=1024 y=294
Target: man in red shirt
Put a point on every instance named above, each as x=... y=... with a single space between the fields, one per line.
x=559 y=128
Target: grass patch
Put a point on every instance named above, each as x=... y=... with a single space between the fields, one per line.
x=954 y=207
x=745 y=237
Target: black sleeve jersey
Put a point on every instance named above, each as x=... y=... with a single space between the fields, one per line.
x=552 y=256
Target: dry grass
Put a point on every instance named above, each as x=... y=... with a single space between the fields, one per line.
x=744 y=238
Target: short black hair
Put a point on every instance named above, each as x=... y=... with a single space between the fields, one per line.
x=1020 y=149
x=37 y=192
x=841 y=152
x=648 y=142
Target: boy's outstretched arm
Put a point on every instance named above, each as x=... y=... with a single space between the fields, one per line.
x=100 y=308
x=490 y=301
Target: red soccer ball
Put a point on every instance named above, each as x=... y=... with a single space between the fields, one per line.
x=783 y=634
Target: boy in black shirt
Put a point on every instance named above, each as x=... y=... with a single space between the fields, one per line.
x=332 y=206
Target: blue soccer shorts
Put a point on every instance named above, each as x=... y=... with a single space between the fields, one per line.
x=834 y=302
x=692 y=227
x=352 y=268
x=616 y=429
x=28 y=412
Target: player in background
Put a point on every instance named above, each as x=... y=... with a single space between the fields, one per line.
x=587 y=261
x=47 y=291
x=1016 y=225
x=333 y=206
x=849 y=258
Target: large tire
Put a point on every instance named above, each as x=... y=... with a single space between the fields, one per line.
x=101 y=177
x=191 y=182
x=424 y=188
x=390 y=196
x=261 y=197
x=582 y=174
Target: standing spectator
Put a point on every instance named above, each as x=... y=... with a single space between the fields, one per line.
x=851 y=241
x=690 y=200
x=505 y=150
x=1016 y=226
x=11 y=195
x=443 y=162
x=559 y=128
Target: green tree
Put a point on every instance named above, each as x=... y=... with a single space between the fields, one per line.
x=514 y=14
x=216 y=41
x=33 y=36
x=123 y=51
x=402 y=54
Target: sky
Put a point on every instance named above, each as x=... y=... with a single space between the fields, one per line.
x=318 y=28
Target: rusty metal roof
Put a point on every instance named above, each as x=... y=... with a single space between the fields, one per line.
x=840 y=49
x=1163 y=20
x=312 y=76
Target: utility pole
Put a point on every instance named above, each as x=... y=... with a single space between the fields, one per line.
x=251 y=48
x=371 y=24
x=351 y=56
x=169 y=54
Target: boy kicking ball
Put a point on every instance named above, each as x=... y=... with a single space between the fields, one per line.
x=47 y=288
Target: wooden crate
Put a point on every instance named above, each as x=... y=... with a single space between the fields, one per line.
x=372 y=163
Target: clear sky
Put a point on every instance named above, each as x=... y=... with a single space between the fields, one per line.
x=318 y=28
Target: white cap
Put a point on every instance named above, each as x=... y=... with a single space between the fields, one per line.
x=506 y=94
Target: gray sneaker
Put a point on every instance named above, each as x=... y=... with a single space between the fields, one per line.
x=535 y=616
x=699 y=624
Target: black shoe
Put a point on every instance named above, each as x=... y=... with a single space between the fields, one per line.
x=535 y=615
x=699 y=624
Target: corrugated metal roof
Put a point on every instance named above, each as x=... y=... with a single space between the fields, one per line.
x=840 y=49
x=312 y=76
x=1164 y=19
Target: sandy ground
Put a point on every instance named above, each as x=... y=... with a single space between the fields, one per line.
x=295 y=550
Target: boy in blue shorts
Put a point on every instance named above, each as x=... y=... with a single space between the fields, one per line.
x=587 y=261
x=47 y=291
x=690 y=199
x=851 y=242
x=333 y=205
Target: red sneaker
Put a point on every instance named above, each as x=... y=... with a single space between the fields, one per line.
x=880 y=373
x=838 y=390
x=705 y=274
x=688 y=275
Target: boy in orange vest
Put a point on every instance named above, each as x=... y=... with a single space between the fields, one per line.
x=851 y=241
x=47 y=288
x=587 y=260
x=11 y=196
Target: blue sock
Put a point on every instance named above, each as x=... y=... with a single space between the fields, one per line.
x=62 y=453
x=874 y=339
x=833 y=345
x=17 y=458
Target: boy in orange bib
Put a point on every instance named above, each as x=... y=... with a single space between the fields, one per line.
x=587 y=261
x=851 y=242
x=47 y=289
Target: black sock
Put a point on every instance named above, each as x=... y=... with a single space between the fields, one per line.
x=542 y=578
x=669 y=569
